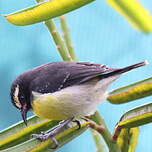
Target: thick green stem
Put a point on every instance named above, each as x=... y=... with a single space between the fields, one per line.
x=123 y=139
x=134 y=133
x=113 y=147
x=136 y=117
x=131 y=92
x=35 y=145
x=128 y=139
x=67 y=38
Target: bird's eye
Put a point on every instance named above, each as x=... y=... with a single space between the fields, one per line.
x=21 y=97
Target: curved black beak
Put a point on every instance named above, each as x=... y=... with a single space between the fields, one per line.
x=24 y=113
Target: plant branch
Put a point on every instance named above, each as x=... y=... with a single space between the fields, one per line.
x=123 y=139
x=100 y=147
x=127 y=139
x=134 y=133
x=67 y=38
x=99 y=125
x=60 y=45
x=58 y=40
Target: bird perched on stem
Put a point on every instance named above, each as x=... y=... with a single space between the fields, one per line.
x=64 y=91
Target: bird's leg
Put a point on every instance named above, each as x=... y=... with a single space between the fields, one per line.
x=53 y=132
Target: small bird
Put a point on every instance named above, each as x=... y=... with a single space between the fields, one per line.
x=64 y=91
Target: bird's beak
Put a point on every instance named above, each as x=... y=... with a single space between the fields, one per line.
x=24 y=113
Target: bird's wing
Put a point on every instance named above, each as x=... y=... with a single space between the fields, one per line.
x=58 y=75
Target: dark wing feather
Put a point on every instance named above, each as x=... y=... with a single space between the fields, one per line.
x=52 y=77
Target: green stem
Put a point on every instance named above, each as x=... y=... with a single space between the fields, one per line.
x=113 y=147
x=100 y=147
x=134 y=133
x=39 y=1
x=128 y=139
x=67 y=38
x=58 y=40
x=123 y=139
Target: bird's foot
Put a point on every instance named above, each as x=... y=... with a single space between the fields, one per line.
x=78 y=123
x=45 y=136
x=53 y=132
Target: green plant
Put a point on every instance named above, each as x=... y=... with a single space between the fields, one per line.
x=17 y=137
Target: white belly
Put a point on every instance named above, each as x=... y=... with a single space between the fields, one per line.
x=79 y=101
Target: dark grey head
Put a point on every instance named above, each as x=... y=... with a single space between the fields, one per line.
x=20 y=97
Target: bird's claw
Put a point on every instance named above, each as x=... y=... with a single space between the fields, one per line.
x=41 y=136
x=45 y=136
x=78 y=123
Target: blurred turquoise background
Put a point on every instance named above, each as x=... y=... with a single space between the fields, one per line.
x=100 y=35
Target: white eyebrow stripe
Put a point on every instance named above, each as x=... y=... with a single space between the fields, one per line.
x=16 y=99
x=16 y=92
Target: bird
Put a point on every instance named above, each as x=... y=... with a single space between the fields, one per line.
x=64 y=91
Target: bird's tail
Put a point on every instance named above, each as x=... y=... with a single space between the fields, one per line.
x=125 y=69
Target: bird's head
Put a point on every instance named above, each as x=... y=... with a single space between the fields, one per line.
x=21 y=98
